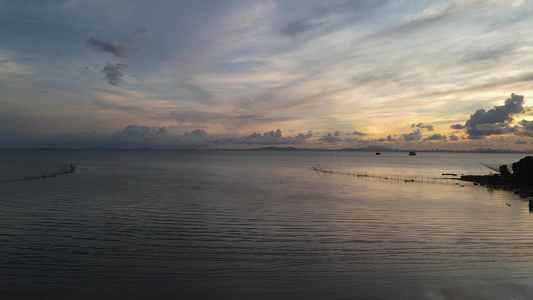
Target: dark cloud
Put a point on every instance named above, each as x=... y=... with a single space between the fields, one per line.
x=297 y=27
x=358 y=133
x=429 y=127
x=413 y=136
x=490 y=55
x=302 y=137
x=142 y=30
x=526 y=128
x=122 y=49
x=197 y=133
x=454 y=137
x=134 y=135
x=331 y=138
x=267 y=138
x=338 y=137
x=521 y=142
x=158 y=137
x=250 y=117
x=457 y=126
x=320 y=18
x=389 y=139
x=436 y=137
x=495 y=121
x=113 y=74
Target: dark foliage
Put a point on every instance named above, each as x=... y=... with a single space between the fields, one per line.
x=523 y=170
x=504 y=171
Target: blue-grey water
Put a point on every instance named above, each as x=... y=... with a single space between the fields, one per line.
x=258 y=225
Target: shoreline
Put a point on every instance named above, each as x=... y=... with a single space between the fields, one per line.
x=498 y=182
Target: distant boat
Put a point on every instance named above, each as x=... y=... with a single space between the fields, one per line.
x=412 y=153
x=378 y=153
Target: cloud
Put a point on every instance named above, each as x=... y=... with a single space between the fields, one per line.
x=250 y=117
x=122 y=49
x=318 y=19
x=304 y=136
x=436 y=137
x=423 y=126
x=495 y=121
x=113 y=74
x=135 y=135
x=453 y=137
x=413 y=136
x=88 y=69
x=358 y=133
x=331 y=138
x=138 y=132
x=197 y=133
x=489 y=55
x=267 y=138
x=159 y=138
x=457 y=126
x=389 y=139
x=526 y=128
x=296 y=27
x=335 y=138
x=143 y=30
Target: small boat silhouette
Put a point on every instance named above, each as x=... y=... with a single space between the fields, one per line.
x=412 y=153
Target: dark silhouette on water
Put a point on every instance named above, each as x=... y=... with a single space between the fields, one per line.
x=71 y=169
x=520 y=181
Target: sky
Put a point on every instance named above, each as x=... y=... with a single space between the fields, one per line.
x=454 y=75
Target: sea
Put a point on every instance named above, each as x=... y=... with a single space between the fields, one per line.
x=154 y=224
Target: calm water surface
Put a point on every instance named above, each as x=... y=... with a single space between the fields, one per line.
x=258 y=225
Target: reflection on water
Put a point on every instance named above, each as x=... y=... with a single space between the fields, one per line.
x=241 y=225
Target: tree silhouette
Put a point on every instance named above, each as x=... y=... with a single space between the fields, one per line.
x=504 y=171
x=523 y=170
